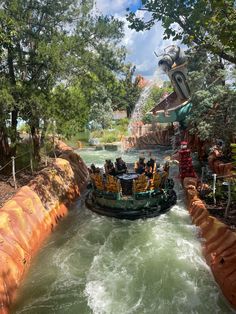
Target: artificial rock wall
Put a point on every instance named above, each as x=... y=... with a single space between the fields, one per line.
x=32 y=214
x=150 y=140
x=219 y=242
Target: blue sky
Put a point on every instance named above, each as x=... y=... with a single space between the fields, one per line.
x=140 y=45
x=134 y=5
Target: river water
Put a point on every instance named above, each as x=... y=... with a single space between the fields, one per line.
x=94 y=264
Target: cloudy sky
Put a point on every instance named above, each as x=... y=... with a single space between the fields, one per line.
x=140 y=45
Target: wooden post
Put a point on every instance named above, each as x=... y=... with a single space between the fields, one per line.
x=31 y=164
x=46 y=157
x=214 y=188
x=14 y=171
x=229 y=199
x=202 y=176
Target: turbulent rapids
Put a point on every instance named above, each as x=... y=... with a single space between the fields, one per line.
x=95 y=264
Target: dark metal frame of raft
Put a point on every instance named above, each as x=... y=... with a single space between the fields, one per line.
x=142 y=205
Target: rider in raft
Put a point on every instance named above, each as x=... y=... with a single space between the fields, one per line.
x=150 y=167
x=109 y=168
x=140 y=165
x=120 y=166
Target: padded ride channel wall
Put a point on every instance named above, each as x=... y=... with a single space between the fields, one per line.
x=219 y=242
x=32 y=214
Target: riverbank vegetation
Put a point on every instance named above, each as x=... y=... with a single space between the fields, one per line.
x=61 y=66
x=207 y=28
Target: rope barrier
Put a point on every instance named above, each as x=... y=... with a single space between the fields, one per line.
x=18 y=171
x=18 y=156
x=12 y=162
x=5 y=165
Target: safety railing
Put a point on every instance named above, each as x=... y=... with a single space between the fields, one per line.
x=30 y=165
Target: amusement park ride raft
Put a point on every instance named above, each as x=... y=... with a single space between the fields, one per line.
x=131 y=196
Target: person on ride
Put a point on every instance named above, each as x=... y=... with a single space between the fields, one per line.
x=140 y=165
x=92 y=169
x=109 y=168
x=149 y=170
x=152 y=164
x=120 y=166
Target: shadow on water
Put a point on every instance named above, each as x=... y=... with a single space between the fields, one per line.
x=95 y=264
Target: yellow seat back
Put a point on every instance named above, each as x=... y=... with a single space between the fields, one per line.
x=97 y=181
x=112 y=184
x=156 y=181
x=140 y=184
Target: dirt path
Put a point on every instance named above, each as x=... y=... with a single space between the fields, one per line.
x=7 y=189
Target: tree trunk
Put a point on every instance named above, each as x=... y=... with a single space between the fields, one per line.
x=43 y=134
x=36 y=142
x=14 y=113
x=4 y=147
x=129 y=112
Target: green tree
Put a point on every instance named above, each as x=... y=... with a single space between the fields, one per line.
x=6 y=103
x=56 y=61
x=68 y=110
x=213 y=97
x=31 y=50
x=209 y=24
x=127 y=90
x=100 y=113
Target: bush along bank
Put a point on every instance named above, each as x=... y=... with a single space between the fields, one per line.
x=32 y=214
x=219 y=242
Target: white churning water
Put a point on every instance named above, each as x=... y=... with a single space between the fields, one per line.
x=94 y=264
x=137 y=113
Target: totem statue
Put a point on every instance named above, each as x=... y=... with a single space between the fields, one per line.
x=173 y=62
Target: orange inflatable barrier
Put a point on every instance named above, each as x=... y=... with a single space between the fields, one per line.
x=31 y=215
x=219 y=243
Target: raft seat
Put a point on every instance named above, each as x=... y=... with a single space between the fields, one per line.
x=158 y=181
x=155 y=182
x=97 y=181
x=140 y=184
x=112 y=184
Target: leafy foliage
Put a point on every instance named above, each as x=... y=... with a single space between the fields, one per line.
x=127 y=90
x=213 y=97
x=210 y=24
x=101 y=110
x=60 y=66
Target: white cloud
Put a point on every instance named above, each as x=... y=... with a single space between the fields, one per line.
x=140 y=45
x=113 y=6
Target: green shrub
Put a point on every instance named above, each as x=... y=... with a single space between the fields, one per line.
x=97 y=134
x=109 y=137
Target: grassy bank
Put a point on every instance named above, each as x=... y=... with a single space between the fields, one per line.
x=114 y=134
